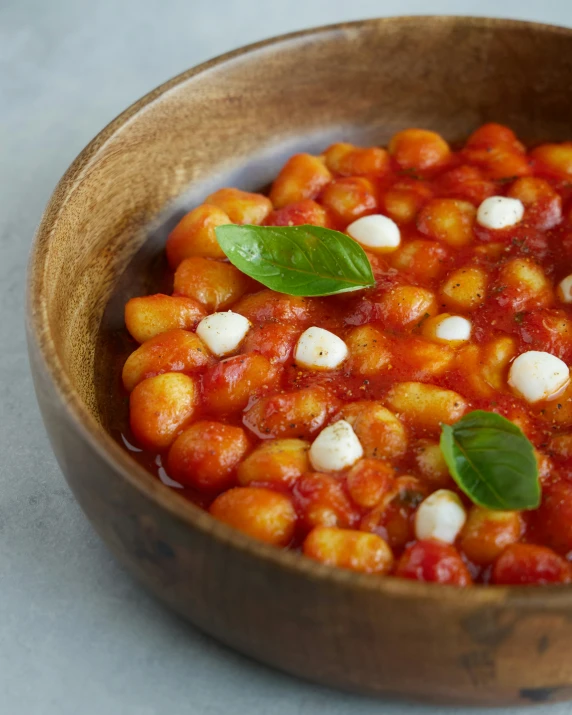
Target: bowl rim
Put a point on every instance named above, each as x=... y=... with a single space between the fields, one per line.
x=118 y=459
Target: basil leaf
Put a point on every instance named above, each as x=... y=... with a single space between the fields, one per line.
x=297 y=260
x=492 y=461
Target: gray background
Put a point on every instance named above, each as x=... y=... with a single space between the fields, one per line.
x=76 y=634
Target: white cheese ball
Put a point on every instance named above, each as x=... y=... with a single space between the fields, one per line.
x=498 y=212
x=565 y=289
x=377 y=232
x=538 y=375
x=318 y=349
x=222 y=333
x=441 y=516
x=454 y=328
x=335 y=448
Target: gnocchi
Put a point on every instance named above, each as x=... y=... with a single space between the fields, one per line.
x=312 y=420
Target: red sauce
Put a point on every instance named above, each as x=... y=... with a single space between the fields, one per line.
x=219 y=412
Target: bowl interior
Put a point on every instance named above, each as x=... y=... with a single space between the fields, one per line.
x=232 y=122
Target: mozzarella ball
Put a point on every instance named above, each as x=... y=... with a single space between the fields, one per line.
x=447 y=329
x=538 y=375
x=335 y=448
x=318 y=349
x=454 y=328
x=565 y=289
x=376 y=232
x=223 y=332
x=441 y=516
x=498 y=212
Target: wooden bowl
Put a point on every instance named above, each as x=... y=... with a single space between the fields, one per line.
x=232 y=120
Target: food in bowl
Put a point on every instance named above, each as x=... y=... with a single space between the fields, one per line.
x=370 y=364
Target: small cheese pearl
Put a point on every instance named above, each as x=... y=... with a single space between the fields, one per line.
x=441 y=516
x=453 y=328
x=377 y=232
x=222 y=333
x=538 y=376
x=498 y=212
x=319 y=349
x=335 y=448
x=565 y=289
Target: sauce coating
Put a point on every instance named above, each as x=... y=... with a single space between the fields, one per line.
x=472 y=262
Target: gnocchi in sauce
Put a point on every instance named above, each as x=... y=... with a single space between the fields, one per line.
x=313 y=423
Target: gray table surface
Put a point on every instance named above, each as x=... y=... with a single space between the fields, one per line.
x=77 y=635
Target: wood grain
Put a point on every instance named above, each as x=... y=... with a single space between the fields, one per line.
x=233 y=120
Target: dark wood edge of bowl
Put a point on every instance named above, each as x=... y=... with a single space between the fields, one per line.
x=38 y=335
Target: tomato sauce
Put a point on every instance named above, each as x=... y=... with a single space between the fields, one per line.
x=233 y=432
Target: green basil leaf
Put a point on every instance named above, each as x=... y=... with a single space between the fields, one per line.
x=297 y=260
x=492 y=461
